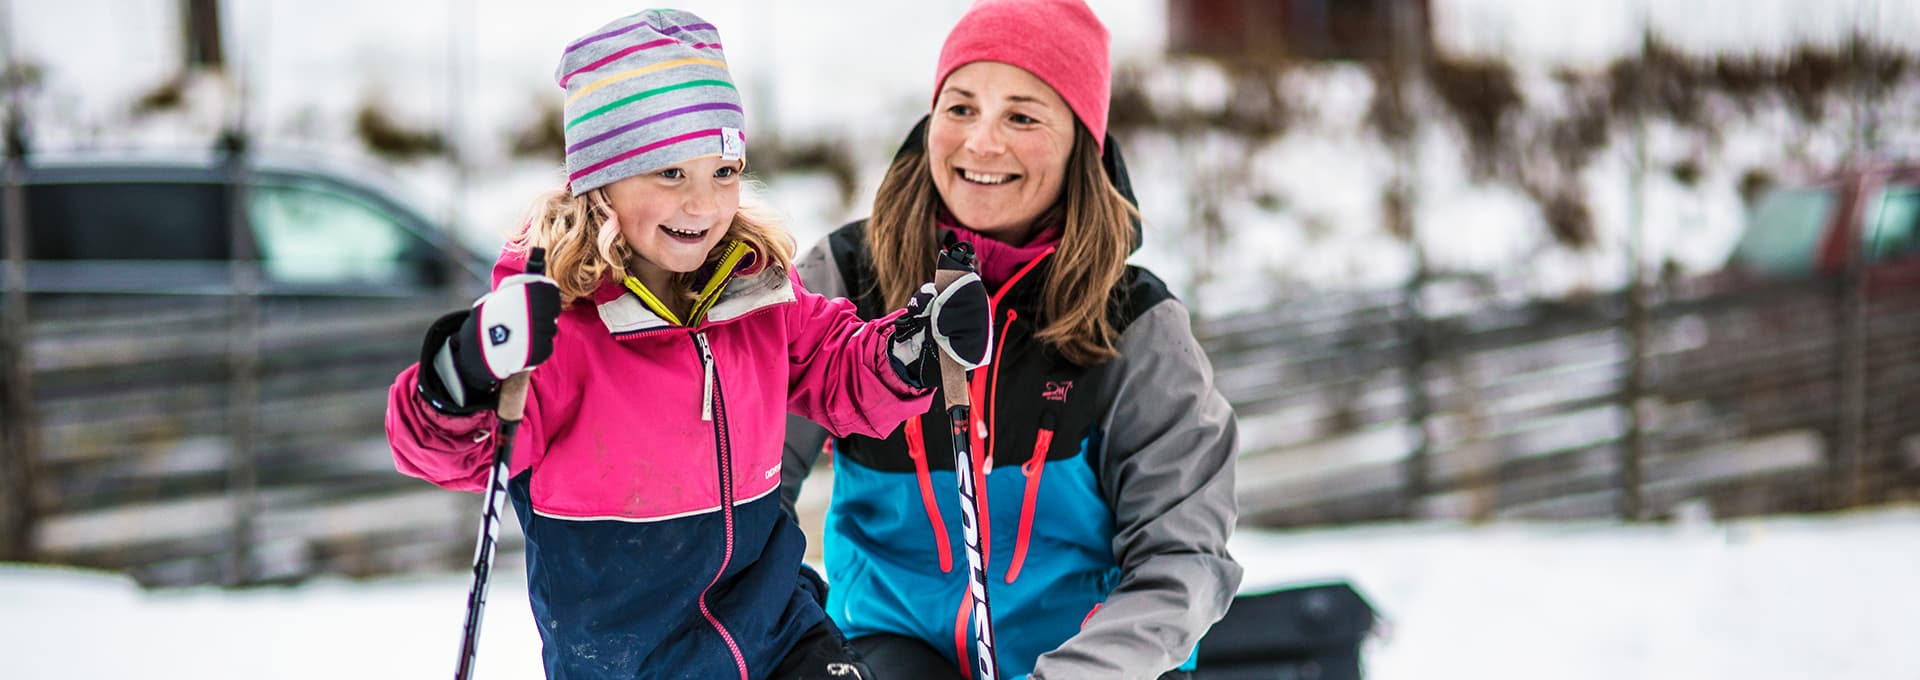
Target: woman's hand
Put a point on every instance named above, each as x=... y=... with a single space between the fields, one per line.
x=957 y=320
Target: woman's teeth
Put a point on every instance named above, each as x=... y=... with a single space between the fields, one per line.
x=985 y=178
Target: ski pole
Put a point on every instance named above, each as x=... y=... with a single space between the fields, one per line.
x=513 y=403
x=953 y=381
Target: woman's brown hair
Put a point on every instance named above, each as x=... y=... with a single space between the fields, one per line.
x=584 y=248
x=1097 y=234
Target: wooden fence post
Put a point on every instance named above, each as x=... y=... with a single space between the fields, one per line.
x=19 y=460
x=243 y=363
x=1413 y=328
x=1630 y=504
x=1848 y=476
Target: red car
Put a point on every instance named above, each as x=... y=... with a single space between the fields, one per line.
x=1810 y=229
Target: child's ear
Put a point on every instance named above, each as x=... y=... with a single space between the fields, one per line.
x=600 y=203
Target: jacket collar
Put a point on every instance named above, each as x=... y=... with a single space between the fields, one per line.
x=748 y=286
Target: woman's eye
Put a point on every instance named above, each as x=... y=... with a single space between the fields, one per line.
x=1022 y=119
x=960 y=110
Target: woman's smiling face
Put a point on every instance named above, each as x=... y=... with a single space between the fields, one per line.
x=998 y=146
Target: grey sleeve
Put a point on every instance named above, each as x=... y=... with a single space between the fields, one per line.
x=1167 y=468
x=818 y=271
x=804 y=437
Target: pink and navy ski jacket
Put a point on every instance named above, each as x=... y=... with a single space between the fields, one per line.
x=645 y=471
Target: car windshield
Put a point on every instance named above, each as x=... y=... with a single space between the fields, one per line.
x=1893 y=229
x=1783 y=231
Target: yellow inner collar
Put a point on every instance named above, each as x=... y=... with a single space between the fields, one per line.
x=708 y=294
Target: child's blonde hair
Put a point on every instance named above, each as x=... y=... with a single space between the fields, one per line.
x=584 y=249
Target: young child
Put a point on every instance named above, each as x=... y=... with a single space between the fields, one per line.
x=672 y=340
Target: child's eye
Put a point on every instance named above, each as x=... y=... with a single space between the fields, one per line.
x=726 y=171
x=672 y=173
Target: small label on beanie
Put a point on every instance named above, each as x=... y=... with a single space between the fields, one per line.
x=733 y=145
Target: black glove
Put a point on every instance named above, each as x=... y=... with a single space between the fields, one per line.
x=508 y=331
x=956 y=320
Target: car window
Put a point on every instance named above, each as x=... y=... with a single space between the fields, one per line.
x=315 y=235
x=127 y=221
x=1893 y=223
x=1783 y=231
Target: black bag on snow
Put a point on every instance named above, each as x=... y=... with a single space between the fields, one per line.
x=1299 y=633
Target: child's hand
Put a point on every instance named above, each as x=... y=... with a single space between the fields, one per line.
x=510 y=330
x=957 y=320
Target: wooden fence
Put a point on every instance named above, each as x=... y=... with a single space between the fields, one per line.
x=139 y=469
x=1353 y=407
x=1778 y=398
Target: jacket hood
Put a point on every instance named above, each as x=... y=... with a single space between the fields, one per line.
x=1110 y=159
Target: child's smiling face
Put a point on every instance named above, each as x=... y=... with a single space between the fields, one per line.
x=673 y=216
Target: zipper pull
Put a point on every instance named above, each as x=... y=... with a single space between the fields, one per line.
x=706 y=365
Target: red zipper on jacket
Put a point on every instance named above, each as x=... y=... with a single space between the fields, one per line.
x=1033 y=467
x=712 y=406
x=917 y=450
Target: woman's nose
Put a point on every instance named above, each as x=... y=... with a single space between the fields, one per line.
x=983 y=138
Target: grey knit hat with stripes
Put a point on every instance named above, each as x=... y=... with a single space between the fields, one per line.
x=646 y=91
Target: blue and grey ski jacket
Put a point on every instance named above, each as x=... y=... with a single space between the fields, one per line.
x=1110 y=493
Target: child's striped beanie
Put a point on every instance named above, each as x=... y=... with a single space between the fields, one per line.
x=646 y=91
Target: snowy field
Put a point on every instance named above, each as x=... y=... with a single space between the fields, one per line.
x=1774 y=598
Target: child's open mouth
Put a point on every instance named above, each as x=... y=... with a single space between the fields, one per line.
x=684 y=235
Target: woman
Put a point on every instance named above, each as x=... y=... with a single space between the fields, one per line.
x=1110 y=492
x=671 y=342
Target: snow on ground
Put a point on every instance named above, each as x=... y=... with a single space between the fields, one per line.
x=1831 y=597
x=1772 y=598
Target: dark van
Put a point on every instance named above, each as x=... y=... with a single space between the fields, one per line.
x=199 y=414
x=101 y=226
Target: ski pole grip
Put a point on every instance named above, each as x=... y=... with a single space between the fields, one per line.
x=955 y=261
x=513 y=397
x=513 y=394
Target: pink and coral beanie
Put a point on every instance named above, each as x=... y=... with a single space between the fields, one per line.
x=1059 y=41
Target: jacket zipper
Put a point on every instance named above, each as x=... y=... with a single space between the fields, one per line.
x=917 y=450
x=709 y=395
x=706 y=373
x=1042 y=440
